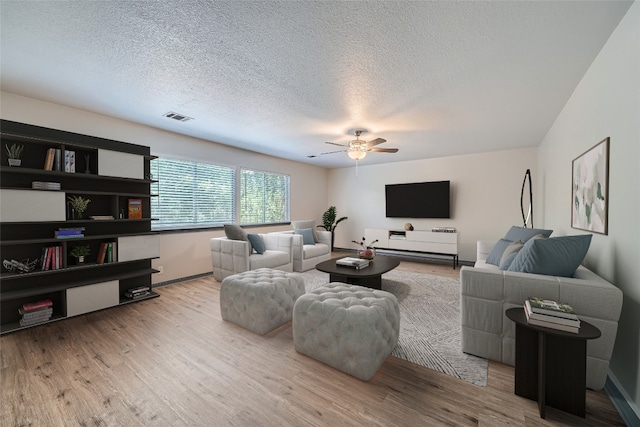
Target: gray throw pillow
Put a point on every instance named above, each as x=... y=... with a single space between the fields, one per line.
x=307 y=236
x=497 y=251
x=524 y=234
x=559 y=256
x=308 y=223
x=257 y=242
x=513 y=248
x=234 y=232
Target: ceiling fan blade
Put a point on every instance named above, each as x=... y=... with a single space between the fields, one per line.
x=331 y=152
x=384 y=150
x=375 y=142
x=335 y=143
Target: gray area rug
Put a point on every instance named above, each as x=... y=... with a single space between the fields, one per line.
x=429 y=322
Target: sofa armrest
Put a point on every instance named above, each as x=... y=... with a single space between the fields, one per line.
x=484 y=248
x=324 y=237
x=228 y=257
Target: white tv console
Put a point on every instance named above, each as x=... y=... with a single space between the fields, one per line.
x=424 y=241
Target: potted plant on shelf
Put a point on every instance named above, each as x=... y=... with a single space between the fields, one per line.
x=330 y=223
x=80 y=252
x=78 y=206
x=15 y=153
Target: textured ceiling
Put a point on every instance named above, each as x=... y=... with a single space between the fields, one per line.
x=280 y=77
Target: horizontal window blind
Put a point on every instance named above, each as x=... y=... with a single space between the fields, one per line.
x=191 y=195
x=264 y=197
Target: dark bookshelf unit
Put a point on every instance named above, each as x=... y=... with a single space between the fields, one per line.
x=108 y=173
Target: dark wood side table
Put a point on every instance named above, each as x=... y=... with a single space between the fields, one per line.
x=551 y=365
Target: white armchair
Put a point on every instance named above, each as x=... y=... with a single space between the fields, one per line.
x=306 y=257
x=233 y=256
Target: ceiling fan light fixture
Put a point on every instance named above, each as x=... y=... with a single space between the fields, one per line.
x=356 y=154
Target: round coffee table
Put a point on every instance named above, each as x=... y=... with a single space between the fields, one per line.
x=370 y=276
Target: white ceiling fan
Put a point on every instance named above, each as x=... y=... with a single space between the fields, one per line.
x=358 y=149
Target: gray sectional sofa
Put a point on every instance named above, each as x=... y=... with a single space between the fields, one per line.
x=487 y=291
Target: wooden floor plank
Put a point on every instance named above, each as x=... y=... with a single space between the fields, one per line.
x=173 y=361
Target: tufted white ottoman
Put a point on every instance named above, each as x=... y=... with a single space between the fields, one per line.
x=352 y=328
x=260 y=300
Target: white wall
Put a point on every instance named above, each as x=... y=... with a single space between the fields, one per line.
x=485 y=191
x=606 y=103
x=181 y=254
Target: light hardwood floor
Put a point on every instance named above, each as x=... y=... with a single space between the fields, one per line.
x=172 y=361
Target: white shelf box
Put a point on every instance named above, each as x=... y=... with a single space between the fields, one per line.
x=123 y=165
x=85 y=299
x=32 y=205
x=131 y=248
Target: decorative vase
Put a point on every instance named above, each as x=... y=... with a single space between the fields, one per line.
x=15 y=162
x=369 y=253
x=81 y=259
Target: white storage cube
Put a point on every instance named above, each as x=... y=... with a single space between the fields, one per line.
x=85 y=299
x=124 y=165
x=131 y=248
x=32 y=205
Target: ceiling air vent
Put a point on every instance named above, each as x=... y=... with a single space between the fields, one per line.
x=178 y=117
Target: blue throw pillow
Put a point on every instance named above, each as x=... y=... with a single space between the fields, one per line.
x=504 y=265
x=257 y=242
x=524 y=234
x=307 y=235
x=497 y=251
x=559 y=256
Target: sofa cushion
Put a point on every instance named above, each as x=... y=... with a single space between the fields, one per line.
x=559 y=256
x=269 y=259
x=307 y=236
x=524 y=234
x=235 y=232
x=312 y=251
x=256 y=242
x=498 y=251
x=309 y=223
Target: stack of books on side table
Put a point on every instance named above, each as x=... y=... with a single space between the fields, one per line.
x=551 y=314
x=357 y=263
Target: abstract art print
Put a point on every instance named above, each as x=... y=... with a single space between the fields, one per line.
x=590 y=189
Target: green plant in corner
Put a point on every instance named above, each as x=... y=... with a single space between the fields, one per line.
x=330 y=223
x=15 y=153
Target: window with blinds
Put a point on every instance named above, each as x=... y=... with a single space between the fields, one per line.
x=191 y=195
x=264 y=197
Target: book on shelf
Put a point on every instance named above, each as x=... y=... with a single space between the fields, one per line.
x=57 y=160
x=138 y=292
x=109 y=255
x=48 y=160
x=551 y=308
x=552 y=325
x=102 y=252
x=70 y=161
x=31 y=322
x=35 y=312
x=69 y=232
x=41 y=185
x=36 y=305
x=101 y=217
x=135 y=208
x=548 y=318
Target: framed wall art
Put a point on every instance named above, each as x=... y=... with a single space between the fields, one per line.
x=590 y=189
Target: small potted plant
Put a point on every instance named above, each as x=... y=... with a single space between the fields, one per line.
x=15 y=153
x=78 y=206
x=80 y=252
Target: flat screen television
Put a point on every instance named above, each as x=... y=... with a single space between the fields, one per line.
x=418 y=200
